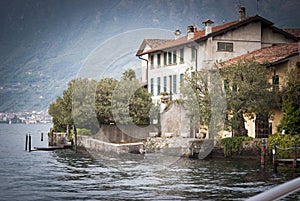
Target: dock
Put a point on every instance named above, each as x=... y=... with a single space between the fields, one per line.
x=52 y=148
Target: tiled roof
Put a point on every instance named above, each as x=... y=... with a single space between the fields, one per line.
x=293 y=31
x=271 y=55
x=152 y=43
x=199 y=35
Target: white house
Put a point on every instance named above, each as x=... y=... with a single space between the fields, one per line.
x=164 y=62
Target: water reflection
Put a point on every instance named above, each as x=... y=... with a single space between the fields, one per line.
x=221 y=179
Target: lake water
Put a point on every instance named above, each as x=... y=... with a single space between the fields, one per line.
x=64 y=175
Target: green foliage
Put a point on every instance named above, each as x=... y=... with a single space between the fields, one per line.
x=284 y=141
x=234 y=144
x=61 y=109
x=88 y=103
x=104 y=93
x=247 y=92
x=83 y=131
x=131 y=103
x=291 y=104
x=129 y=75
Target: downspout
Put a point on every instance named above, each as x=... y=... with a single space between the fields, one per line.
x=147 y=61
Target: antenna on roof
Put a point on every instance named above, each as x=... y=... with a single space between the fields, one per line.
x=257 y=7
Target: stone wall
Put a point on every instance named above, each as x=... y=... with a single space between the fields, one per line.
x=96 y=146
x=175 y=122
x=125 y=133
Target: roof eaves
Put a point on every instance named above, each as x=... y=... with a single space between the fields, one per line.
x=284 y=59
x=285 y=33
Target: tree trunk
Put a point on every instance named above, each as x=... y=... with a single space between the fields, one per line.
x=238 y=128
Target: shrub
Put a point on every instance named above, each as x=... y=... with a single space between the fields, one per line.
x=234 y=144
x=83 y=131
x=284 y=142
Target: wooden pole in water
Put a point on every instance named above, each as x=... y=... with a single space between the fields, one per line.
x=29 y=144
x=263 y=154
x=26 y=142
x=75 y=138
x=274 y=157
x=42 y=136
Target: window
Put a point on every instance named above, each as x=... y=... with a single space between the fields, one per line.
x=275 y=83
x=165 y=83
x=151 y=60
x=174 y=84
x=170 y=57
x=174 y=57
x=158 y=60
x=158 y=85
x=181 y=52
x=181 y=78
x=152 y=86
x=193 y=52
x=165 y=58
x=225 y=47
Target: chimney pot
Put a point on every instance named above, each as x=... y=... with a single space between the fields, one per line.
x=208 y=28
x=190 y=32
x=177 y=33
x=242 y=12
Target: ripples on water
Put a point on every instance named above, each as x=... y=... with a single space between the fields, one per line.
x=63 y=175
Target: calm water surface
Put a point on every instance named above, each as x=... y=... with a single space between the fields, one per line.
x=64 y=175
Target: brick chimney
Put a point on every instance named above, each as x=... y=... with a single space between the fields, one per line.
x=242 y=12
x=208 y=28
x=190 y=32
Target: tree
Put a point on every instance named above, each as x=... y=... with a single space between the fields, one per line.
x=83 y=104
x=61 y=109
x=203 y=96
x=247 y=92
x=131 y=103
x=103 y=100
x=290 y=121
x=129 y=75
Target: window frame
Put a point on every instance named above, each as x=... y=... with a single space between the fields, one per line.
x=228 y=47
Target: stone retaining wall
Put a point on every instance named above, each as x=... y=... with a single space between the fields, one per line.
x=106 y=148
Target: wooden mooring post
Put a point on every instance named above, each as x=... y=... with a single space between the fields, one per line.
x=75 y=138
x=263 y=154
x=26 y=142
x=42 y=136
x=29 y=143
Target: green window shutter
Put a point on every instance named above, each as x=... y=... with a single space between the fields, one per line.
x=165 y=83
x=170 y=57
x=174 y=57
x=174 y=84
x=275 y=82
x=152 y=86
x=158 y=59
x=181 y=55
x=158 y=86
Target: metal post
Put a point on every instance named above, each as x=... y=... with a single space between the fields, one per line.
x=274 y=157
x=29 y=145
x=295 y=156
x=26 y=142
x=42 y=136
x=263 y=154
